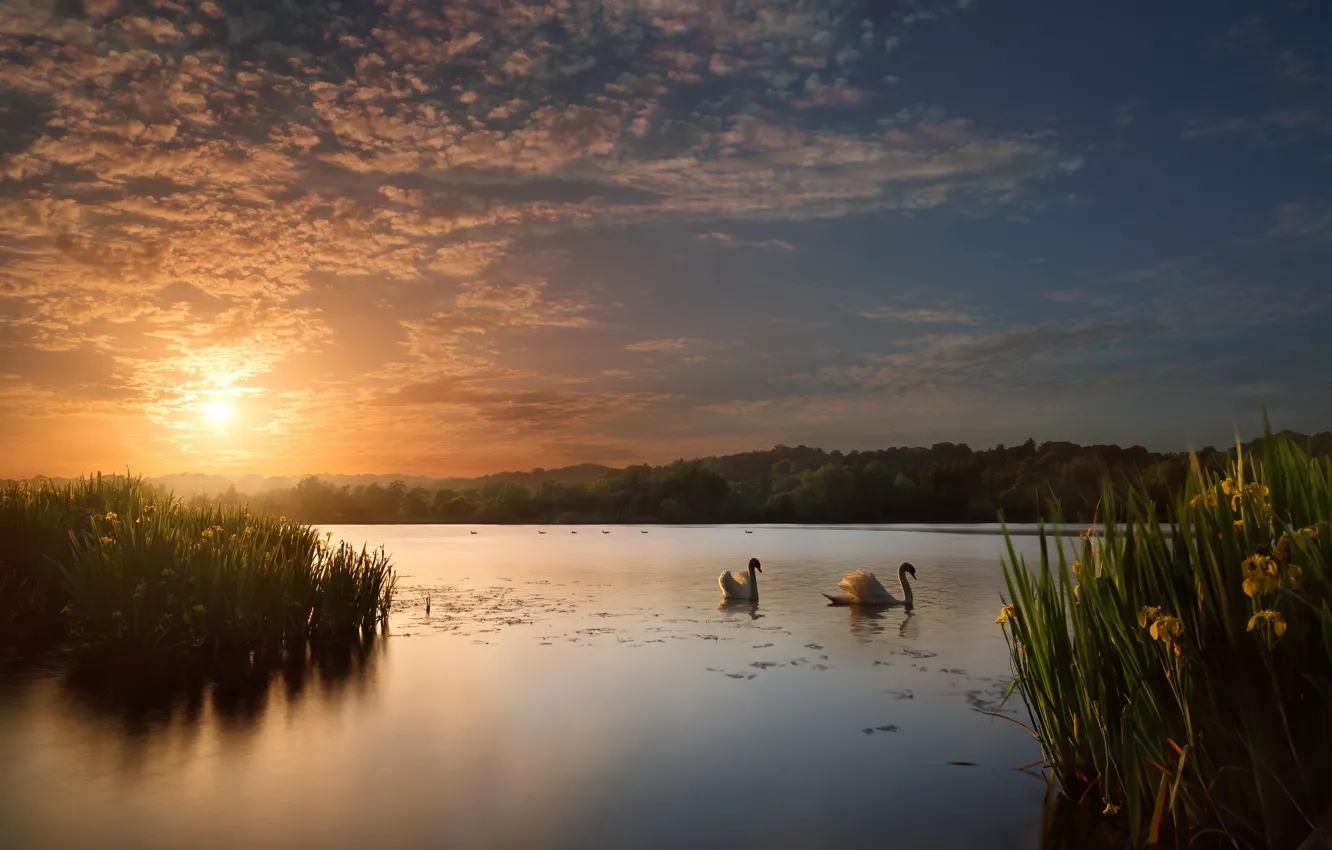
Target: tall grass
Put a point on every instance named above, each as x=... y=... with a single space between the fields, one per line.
x=108 y=560
x=1179 y=674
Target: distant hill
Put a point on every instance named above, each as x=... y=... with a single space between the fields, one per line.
x=194 y=483
x=945 y=480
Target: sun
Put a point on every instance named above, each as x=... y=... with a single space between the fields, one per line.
x=217 y=411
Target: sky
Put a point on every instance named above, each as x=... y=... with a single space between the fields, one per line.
x=451 y=238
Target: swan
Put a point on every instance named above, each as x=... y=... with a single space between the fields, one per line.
x=736 y=585
x=862 y=588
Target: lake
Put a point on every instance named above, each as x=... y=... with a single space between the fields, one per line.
x=572 y=690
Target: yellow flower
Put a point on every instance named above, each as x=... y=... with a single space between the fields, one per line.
x=1271 y=619
x=1251 y=587
x=1239 y=525
x=1077 y=567
x=1163 y=626
x=1252 y=566
x=111 y=516
x=107 y=541
x=1110 y=808
x=1229 y=487
x=1147 y=615
x=1293 y=576
x=1005 y=614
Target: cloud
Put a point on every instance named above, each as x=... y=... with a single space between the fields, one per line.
x=665 y=346
x=362 y=208
x=1147 y=273
x=1297 y=219
x=920 y=315
x=820 y=95
x=1015 y=359
x=726 y=240
x=1200 y=128
x=1126 y=113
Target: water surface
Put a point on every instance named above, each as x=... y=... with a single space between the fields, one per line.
x=571 y=691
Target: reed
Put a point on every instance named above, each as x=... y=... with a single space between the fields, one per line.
x=108 y=560
x=1178 y=673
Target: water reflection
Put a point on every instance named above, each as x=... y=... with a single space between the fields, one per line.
x=143 y=695
x=1069 y=826
x=906 y=621
x=734 y=607
x=865 y=622
x=564 y=691
x=868 y=623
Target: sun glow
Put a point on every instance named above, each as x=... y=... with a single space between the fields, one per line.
x=217 y=411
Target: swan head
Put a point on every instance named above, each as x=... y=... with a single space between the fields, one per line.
x=907 y=568
x=755 y=565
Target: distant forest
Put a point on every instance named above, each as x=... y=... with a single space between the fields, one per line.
x=946 y=482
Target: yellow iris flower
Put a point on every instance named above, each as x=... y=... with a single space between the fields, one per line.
x=1270 y=619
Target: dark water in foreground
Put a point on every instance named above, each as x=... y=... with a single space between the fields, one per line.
x=571 y=691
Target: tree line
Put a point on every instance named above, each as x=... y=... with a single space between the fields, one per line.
x=946 y=482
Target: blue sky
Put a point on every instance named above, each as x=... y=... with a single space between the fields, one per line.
x=454 y=238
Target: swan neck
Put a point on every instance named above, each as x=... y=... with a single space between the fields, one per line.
x=753 y=584
x=906 y=586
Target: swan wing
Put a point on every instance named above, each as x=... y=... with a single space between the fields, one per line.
x=734 y=585
x=865 y=587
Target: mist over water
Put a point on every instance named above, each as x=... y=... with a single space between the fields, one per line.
x=567 y=691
